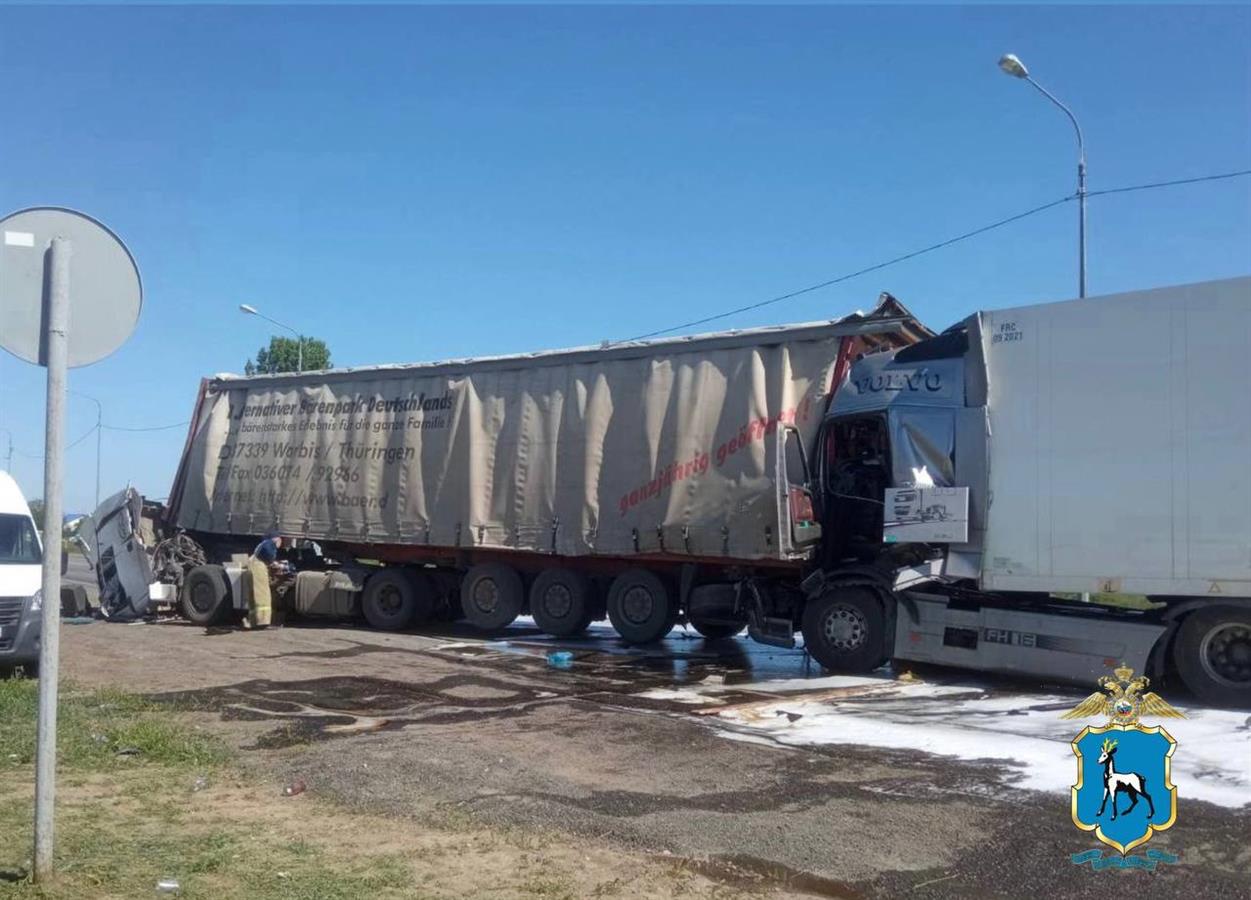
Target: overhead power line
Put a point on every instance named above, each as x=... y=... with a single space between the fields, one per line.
x=148 y=427
x=1164 y=184
x=70 y=446
x=867 y=269
x=74 y=443
x=935 y=246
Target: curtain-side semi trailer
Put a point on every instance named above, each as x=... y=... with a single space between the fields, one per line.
x=642 y=481
x=886 y=492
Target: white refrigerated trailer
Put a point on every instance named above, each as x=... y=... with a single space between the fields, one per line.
x=1095 y=447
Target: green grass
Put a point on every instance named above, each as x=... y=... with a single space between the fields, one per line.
x=124 y=822
x=93 y=725
x=110 y=852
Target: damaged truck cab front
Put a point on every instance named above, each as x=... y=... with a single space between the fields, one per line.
x=900 y=469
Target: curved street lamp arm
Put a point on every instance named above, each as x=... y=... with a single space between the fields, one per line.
x=299 y=339
x=276 y=322
x=1081 y=144
x=99 y=405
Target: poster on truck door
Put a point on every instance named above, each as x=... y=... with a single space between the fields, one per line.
x=573 y=454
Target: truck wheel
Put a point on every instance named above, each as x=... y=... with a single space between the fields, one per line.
x=389 y=601
x=560 y=601
x=1213 y=655
x=74 y=601
x=206 y=595
x=491 y=595
x=640 y=608
x=845 y=630
x=716 y=631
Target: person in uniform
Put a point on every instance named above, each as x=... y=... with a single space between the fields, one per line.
x=261 y=563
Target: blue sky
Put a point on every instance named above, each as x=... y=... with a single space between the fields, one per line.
x=415 y=183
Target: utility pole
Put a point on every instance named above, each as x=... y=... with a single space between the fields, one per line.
x=99 y=438
x=99 y=435
x=50 y=637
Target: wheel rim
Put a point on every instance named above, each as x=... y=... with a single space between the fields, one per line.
x=1225 y=654
x=390 y=601
x=558 y=601
x=846 y=628
x=637 y=605
x=486 y=595
x=201 y=597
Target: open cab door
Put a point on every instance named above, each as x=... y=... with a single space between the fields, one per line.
x=800 y=531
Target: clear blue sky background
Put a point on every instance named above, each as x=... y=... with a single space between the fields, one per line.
x=413 y=183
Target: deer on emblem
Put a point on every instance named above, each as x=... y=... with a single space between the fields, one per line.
x=1115 y=783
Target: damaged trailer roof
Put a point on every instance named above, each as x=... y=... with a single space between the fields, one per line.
x=882 y=327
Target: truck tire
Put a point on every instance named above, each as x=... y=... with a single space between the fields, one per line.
x=640 y=607
x=74 y=602
x=206 y=595
x=845 y=629
x=390 y=600
x=492 y=595
x=1213 y=655
x=561 y=602
x=717 y=631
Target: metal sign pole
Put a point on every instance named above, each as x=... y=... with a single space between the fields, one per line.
x=56 y=331
x=41 y=249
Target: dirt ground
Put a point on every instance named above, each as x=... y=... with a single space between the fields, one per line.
x=452 y=727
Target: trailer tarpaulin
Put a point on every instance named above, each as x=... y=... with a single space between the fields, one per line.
x=665 y=446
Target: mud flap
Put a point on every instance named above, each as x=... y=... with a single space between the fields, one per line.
x=771 y=631
x=762 y=628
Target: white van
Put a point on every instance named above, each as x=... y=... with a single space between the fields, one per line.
x=21 y=572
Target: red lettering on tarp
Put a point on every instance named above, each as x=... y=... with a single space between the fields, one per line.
x=749 y=433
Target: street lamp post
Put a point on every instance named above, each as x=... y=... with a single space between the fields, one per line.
x=1013 y=66
x=99 y=432
x=299 y=338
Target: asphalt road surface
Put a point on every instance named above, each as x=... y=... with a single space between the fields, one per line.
x=421 y=724
x=79 y=572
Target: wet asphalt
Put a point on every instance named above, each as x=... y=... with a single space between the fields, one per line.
x=448 y=724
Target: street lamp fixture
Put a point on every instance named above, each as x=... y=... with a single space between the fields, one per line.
x=1012 y=65
x=299 y=338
